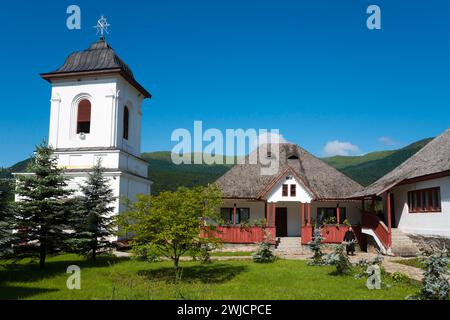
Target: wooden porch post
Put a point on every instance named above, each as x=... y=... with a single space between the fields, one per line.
x=267 y=214
x=363 y=205
x=309 y=214
x=389 y=217
x=303 y=214
x=273 y=213
x=338 y=214
x=234 y=214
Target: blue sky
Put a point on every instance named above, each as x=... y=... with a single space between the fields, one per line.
x=309 y=68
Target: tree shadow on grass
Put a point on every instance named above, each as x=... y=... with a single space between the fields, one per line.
x=15 y=293
x=30 y=272
x=214 y=273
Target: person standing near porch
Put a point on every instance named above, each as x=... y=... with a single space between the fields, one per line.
x=349 y=240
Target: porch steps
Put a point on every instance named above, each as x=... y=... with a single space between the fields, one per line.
x=402 y=245
x=288 y=247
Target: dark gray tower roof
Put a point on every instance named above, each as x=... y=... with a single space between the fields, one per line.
x=99 y=58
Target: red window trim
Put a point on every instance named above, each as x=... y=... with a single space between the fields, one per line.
x=293 y=190
x=285 y=191
x=84 y=113
x=419 y=207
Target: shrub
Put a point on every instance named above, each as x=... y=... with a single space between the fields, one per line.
x=147 y=253
x=364 y=263
x=264 y=254
x=339 y=259
x=316 y=247
x=435 y=286
x=204 y=252
x=364 y=266
x=399 y=277
x=330 y=220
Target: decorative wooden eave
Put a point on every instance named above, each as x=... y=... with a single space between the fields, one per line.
x=426 y=177
x=64 y=75
x=277 y=179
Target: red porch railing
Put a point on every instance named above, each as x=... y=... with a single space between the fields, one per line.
x=331 y=233
x=307 y=233
x=239 y=235
x=371 y=221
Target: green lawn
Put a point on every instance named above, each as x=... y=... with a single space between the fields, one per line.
x=114 y=278
x=413 y=262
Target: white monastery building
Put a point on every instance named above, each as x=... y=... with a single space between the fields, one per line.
x=96 y=114
x=401 y=211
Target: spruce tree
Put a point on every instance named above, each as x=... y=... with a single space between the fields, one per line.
x=316 y=247
x=6 y=223
x=93 y=221
x=41 y=212
x=435 y=285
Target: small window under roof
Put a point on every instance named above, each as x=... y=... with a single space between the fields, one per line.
x=293 y=157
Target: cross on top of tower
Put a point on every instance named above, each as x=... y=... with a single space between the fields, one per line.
x=102 y=27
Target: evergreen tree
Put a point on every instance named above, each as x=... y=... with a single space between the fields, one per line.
x=41 y=213
x=6 y=223
x=93 y=221
x=316 y=247
x=339 y=259
x=435 y=286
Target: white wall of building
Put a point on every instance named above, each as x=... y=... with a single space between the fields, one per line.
x=108 y=97
x=276 y=194
x=427 y=223
x=110 y=159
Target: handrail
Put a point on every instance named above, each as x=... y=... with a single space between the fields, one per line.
x=371 y=221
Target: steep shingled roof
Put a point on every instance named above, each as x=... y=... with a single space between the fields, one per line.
x=432 y=159
x=98 y=58
x=245 y=181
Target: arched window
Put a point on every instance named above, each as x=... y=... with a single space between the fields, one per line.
x=126 y=122
x=84 y=117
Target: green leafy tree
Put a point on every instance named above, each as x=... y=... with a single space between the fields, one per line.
x=42 y=212
x=173 y=222
x=92 y=220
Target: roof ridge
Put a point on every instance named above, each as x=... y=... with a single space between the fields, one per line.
x=424 y=162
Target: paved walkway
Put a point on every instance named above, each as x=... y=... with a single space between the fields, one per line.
x=391 y=266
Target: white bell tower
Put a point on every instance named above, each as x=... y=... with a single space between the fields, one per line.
x=96 y=113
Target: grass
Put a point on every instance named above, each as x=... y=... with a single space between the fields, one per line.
x=121 y=278
x=414 y=262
